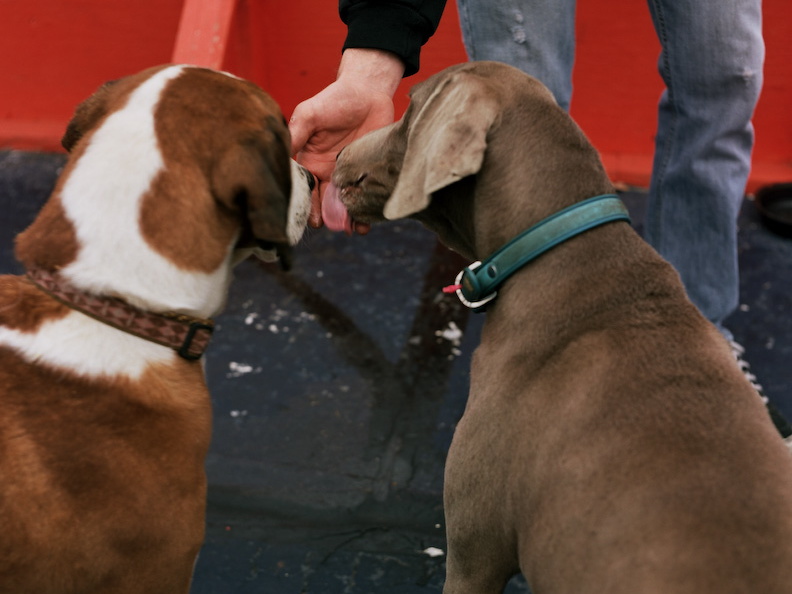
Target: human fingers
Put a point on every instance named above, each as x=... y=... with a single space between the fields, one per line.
x=315 y=217
x=300 y=127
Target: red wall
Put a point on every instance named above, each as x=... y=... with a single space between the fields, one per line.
x=53 y=53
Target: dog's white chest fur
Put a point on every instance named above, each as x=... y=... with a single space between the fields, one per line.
x=83 y=346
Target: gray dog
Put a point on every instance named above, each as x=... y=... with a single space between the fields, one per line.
x=610 y=443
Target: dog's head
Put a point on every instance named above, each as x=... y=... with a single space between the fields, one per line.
x=393 y=172
x=469 y=122
x=175 y=171
x=224 y=134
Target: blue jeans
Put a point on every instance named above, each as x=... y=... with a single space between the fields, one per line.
x=711 y=61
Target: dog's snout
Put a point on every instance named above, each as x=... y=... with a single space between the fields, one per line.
x=309 y=177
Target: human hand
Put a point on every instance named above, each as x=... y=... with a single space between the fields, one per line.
x=359 y=101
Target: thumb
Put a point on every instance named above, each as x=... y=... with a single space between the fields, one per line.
x=300 y=129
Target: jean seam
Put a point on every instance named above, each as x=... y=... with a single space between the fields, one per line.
x=671 y=128
x=464 y=18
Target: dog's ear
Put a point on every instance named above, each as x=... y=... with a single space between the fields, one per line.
x=86 y=115
x=446 y=142
x=254 y=174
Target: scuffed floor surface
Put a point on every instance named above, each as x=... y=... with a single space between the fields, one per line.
x=336 y=389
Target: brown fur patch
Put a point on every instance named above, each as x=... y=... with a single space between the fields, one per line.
x=108 y=98
x=109 y=489
x=24 y=307
x=180 y=220
x=217 y=169
x=50 y=242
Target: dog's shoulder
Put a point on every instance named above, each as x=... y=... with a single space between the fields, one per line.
x=44 y=332
x=24 y=307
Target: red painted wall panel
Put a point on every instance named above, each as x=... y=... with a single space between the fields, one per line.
x=53 y=53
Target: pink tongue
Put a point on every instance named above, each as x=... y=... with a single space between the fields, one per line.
x=334 y=213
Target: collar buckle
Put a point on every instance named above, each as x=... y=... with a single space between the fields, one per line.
x=476 y=306
x=196 y=340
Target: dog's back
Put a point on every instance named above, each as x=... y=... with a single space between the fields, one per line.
x=101 y=470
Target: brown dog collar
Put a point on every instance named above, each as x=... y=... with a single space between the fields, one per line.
x=187 y=335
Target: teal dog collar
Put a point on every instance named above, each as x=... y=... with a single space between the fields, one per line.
x=477 y=284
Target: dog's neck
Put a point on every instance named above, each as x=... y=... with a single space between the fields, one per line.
x=512 y=195
x=451 y=216
x=505 y=200
x=188 y=336
x=608 y=272
x=479 y=214
x=115 y=258
x=479 y=283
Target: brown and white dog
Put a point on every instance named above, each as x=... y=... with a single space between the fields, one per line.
x=174 y=175
x=610 y=443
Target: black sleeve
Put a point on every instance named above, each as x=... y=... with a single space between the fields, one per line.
x=398 y=26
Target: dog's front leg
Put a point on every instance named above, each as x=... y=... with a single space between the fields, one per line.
x=481 y=557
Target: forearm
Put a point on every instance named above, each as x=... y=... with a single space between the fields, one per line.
x=376 y=70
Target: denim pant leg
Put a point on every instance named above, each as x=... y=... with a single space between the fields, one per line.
x=711 y=62
x=536 y=36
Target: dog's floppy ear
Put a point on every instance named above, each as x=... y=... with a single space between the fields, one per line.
x=255 y=174
x=446 y=142
x=86 y=115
